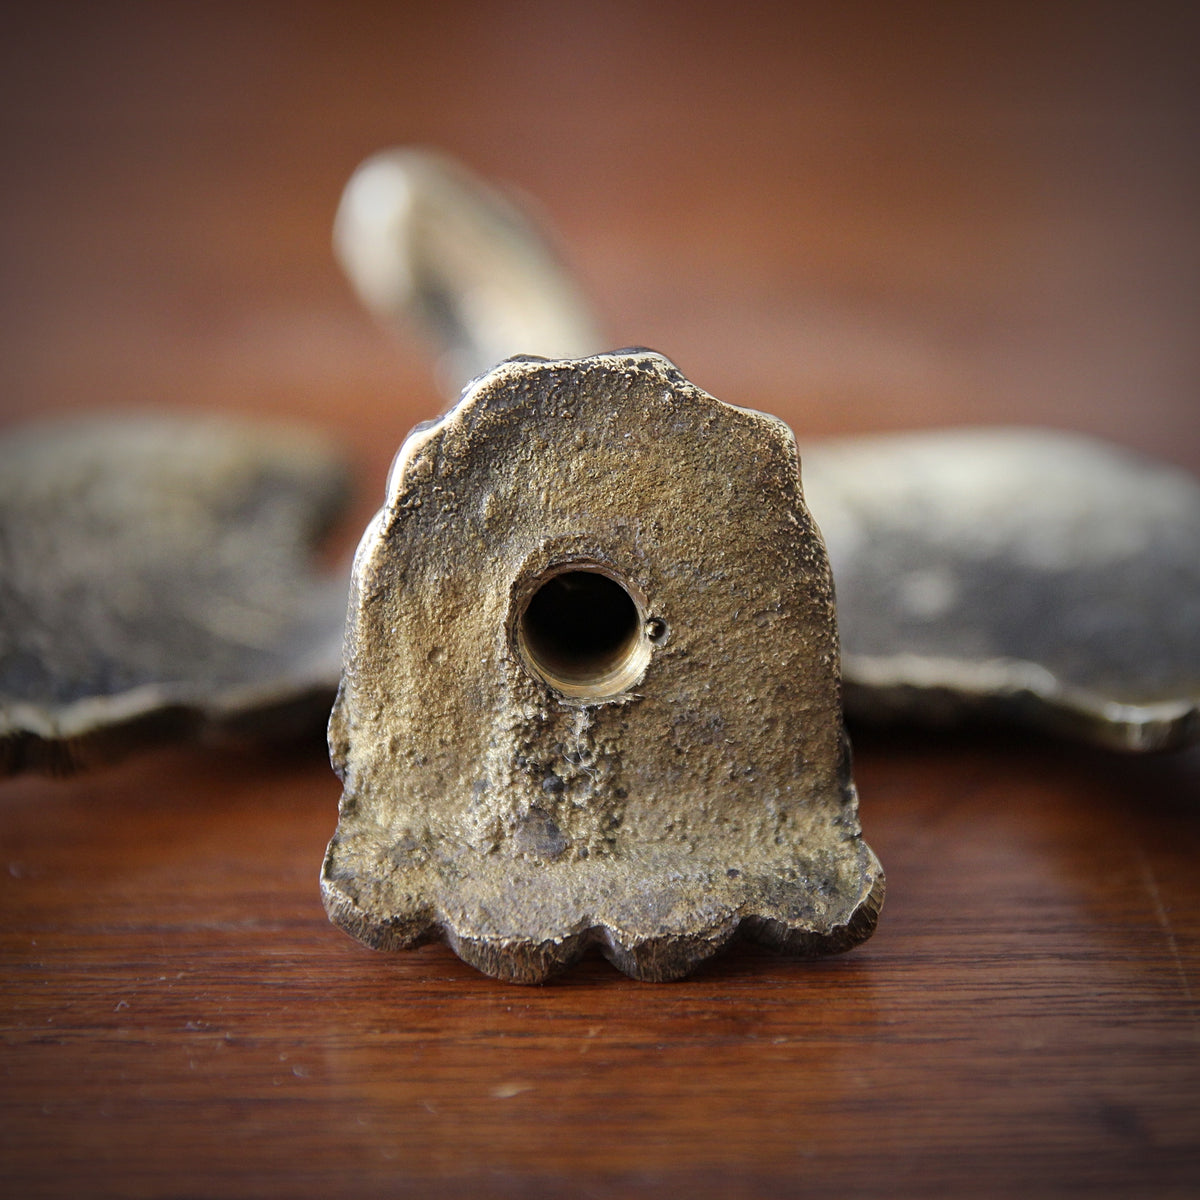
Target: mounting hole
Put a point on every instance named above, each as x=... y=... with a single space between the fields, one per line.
x=656 y=630
x=583 y=632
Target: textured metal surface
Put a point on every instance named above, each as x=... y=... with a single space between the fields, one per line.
x=591 y=690
x=1022 y=573
x=155 y=582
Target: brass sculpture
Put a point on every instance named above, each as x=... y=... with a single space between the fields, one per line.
x=591 y=689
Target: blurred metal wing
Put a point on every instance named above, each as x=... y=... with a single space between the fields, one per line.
x=156 y=582
x=1023 y=573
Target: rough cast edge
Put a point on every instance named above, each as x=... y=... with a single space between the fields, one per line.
x=649 y=960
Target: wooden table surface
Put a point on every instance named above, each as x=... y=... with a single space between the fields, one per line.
x=857 y=217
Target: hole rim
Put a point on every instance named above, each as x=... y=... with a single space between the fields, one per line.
x=605 y=686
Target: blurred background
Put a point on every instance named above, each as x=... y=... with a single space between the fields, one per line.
x=858 y=216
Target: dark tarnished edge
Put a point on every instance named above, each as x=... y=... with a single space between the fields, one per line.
x=61 y=740
x=158 y=722
x=944 y=692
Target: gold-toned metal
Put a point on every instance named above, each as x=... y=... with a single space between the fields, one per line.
x=591 y=689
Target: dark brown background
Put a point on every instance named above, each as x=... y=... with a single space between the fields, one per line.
x=859 y=217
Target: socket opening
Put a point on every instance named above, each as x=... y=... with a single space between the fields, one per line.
x=584 y=633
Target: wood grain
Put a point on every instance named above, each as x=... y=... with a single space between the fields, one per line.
x=858 y=219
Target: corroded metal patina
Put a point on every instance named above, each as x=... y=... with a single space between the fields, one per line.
x=1028 y=574
x=156 y=582
x=591 y=689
